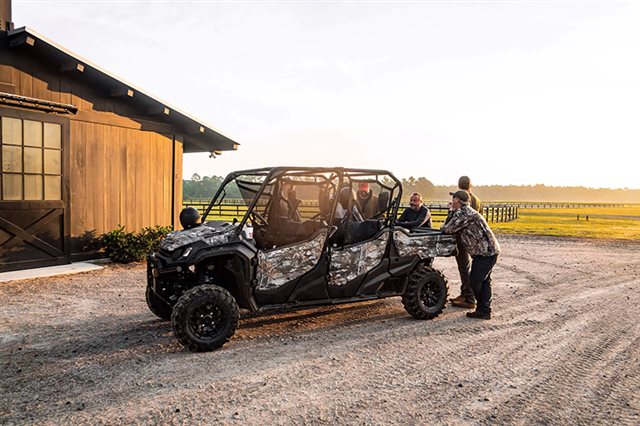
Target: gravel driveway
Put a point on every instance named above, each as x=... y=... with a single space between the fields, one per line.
x=563 y=348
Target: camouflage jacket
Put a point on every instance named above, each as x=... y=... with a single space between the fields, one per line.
x=474 y=232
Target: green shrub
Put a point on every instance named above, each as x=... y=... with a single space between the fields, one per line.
x=125 y=247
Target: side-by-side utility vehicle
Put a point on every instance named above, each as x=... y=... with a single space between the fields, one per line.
x=290 y=237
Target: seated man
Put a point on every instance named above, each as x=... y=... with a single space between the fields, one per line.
x=415 y=216
x=366 y=200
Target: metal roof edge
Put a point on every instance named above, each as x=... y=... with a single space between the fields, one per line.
x=30 y=31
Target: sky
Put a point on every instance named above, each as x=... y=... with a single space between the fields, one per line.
x=506 y=92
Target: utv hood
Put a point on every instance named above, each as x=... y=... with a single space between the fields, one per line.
x=211 y=233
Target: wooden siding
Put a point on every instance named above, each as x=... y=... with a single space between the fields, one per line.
x=119 y=176
x=29 y=75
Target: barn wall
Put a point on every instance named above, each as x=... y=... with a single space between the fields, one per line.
x=119 y=176
x=125 y=164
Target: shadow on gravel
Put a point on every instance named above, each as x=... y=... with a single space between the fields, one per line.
x=101 y=336
x=249 y=320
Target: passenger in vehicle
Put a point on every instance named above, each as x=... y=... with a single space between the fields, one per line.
x=366 y=200
x=416 y=215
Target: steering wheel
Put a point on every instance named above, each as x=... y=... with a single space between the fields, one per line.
x=258 y=219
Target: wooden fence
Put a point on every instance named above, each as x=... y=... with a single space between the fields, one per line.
x=493 y=213
x=558 y=205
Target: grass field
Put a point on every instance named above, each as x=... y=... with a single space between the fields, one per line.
x=618 y=223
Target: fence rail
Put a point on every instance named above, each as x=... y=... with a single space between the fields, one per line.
x=558 y=205
x=493 y=213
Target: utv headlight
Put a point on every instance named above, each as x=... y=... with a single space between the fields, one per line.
x=187 y=252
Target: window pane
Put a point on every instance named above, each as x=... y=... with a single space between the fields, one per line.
x=32 y=160
x=11 y=187
x=32 y=133
x=32 y=187
x=52 y=135
x=52 y=161
x=11 y=158
x=11 y=131
x=52 y=188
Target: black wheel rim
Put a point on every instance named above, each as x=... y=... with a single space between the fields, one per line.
x=207 y=321
x=430 y=295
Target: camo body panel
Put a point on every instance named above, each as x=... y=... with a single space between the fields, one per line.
x=213 y=235
x=424 y=246
x=282 y=265
x=351 y=262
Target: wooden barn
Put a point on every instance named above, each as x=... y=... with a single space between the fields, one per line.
x=82 y=151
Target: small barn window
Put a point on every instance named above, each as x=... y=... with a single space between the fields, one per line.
x=32 y=133
x=52 y=136
x=11 y=131
x=31 y=159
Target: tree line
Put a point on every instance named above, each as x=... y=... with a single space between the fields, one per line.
x=204 y=187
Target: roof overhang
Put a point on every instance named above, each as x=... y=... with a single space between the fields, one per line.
x=198 y=136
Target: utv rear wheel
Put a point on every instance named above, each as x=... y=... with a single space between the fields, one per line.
x=205 y=318
x=426 y=293
x=159 y=307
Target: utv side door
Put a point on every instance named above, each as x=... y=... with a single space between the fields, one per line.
x=358 y=252
x=292 y=258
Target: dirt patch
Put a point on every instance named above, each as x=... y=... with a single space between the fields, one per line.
x=563 y=347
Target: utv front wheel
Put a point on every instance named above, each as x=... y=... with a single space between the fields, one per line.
x=159 y=307
x=205 y=318
x=426 y=293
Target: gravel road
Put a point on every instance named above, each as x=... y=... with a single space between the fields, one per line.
x=563 y=348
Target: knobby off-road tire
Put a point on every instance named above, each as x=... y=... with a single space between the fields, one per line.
x=205 y=318
x=159 y=307
x=426 y=293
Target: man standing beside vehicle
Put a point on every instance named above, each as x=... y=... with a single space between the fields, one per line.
x=478 y=240
x=466 y=298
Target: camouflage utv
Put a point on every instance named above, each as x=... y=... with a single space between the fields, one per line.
x=285 y=238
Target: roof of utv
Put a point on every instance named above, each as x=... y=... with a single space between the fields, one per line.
x=276 y=171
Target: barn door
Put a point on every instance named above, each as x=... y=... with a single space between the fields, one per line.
x=33 y=199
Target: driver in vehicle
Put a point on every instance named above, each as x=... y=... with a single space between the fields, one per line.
x=416 y=215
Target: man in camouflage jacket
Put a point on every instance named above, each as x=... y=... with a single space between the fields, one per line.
x=478 y=240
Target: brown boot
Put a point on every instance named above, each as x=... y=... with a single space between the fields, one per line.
x=457 y=299
x=463 y=304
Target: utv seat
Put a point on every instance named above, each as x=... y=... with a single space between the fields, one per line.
x=361 y=231
x=282 y=232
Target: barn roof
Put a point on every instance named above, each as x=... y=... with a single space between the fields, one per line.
x=198 y=136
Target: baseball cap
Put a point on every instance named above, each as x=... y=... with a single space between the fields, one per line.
x=461 y=195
